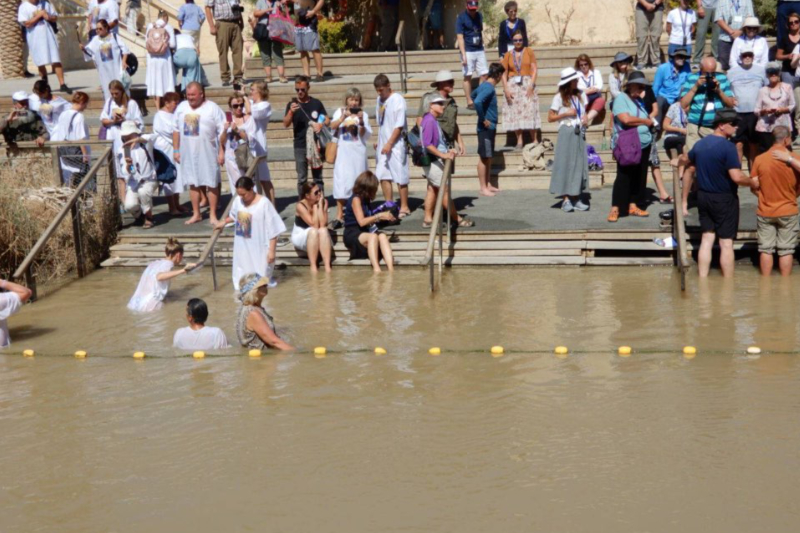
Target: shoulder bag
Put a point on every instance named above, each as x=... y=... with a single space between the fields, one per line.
x=628 y=148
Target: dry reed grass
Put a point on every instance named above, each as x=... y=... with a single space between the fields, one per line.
x=26 y=211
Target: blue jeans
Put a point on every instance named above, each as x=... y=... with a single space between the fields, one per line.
x=672 y=47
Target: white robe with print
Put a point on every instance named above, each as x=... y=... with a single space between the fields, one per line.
x=199 y=131
x=42 y=42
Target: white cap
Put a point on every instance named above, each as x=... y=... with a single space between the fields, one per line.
x=129 y=127
x=442 y=76
x=438 y=100
x=20 y=96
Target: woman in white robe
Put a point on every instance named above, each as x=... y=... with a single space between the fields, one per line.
x=72 y=127
x=260 y=111
x=110 y=56
x=352 y=134
x=118 y=108
x=160 y=78
x=36 y=17
x=163 y=126
x=154 y=284
x=237 y=132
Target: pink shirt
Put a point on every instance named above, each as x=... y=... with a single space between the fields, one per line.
x=772 y=98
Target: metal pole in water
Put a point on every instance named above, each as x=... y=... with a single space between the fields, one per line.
x=214 y=268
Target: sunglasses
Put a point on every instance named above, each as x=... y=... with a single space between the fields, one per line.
x=518 y=41
x=237 y=106
x=316 y=193
x=301 y=90
x=793 y=22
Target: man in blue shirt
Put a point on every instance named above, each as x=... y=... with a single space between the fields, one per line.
x=669 y=80
x=485 y=103
x=191 y=18
x=715 y=162
x=469 y=32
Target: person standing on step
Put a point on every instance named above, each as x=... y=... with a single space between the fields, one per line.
x=72 y=126
x=681 y=24
x=163 y=126
x=774 y=106
x=569 y=176
x=631 y=112
x=469 y=33
x=260 y=110
x=750 y=40
x=390 y=18
x=98 y=10
x=307 y=36
x=12 y=298
x=785 y=10
x=353 y=131
x=391 y=166
x=705 y=93
x=196 y=148
x=747 y=80
x=132 y=10
x=118 y=108
x=513 y=24
x=485 y=99
x=109 y=54
x=706 y=18
x=434 y=30
x=302 y=113
x=225 y=23
x=715 y=164
x=730 y=17
x=521 y=102
x=648 y=18
x=190 y=20
x=37 y=18
x=160 y=43
x=620 y=67
x=187 y=62
x=271 y=50
x=444 y=84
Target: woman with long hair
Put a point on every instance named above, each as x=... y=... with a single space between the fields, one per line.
x=109 y=54
x=310 y=235
x=361 y=234
x=160 y=75
x=260 y=111
x=118 y=108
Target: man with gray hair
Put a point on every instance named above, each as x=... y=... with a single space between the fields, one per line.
x=443 y=85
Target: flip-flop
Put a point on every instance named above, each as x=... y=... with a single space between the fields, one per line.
x=427 y=225
x=667 y=200
x=465 y=223
x=403 y=214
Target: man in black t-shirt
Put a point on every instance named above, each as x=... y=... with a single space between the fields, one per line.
x=301 y=112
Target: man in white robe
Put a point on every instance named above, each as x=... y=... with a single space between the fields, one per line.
x=198 y=126
x=391 y=165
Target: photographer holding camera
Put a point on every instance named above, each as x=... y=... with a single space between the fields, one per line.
x=705 y=93
x=225 y=24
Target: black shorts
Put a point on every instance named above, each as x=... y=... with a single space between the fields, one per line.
x=486 y=143
x=719 y=213
x=746 y=130
x=675 y=142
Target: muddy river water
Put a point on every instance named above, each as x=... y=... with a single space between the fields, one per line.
x=409 y=442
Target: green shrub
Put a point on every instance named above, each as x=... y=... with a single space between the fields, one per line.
x=333 y=37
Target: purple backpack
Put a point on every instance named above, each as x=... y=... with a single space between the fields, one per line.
x=594 y=160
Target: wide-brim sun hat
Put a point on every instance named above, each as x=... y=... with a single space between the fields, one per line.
x=620 y=57
x=751 y=22
x=129 y=127
x=637 y=77
x=567 y=75
x=20 y=96
x=443 y=76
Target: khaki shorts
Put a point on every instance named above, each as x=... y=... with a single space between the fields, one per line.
x=778 y=233
x=695 y=133
x=434 y=173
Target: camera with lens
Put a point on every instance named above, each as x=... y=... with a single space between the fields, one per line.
x=237 y=10
x=355 y=110
x=711 y=81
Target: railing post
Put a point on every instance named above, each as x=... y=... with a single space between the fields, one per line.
x=402 y=63
x=77 y=237
x=30 y=281
x=56 y=167
x=214 y=268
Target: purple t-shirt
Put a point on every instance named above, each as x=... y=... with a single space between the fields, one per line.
x=430 y=131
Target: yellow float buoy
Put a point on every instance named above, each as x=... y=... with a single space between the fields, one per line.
x=254 y=353
x=753 y=350
x=199 y=355
x=624 y=351
x=435 y=351
x=80 y=354
x=561 y=350
x=138 y=355
x=497 y=351
x=380 y=351
x=320 y=350
x=28 y=353
x=689 y=350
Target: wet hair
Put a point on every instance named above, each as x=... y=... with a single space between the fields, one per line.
x=116 y=84
x=780 y=133
x=509 y=6
x=245 y=183
x=496 y=71
x=235 y=97
x=198 y=310
x=80 y=97
x=353 y=92
x=583 y=57
x=41 y=86
x=366 y=186
x=170 y=97
x=302 y=79
x=381 y=81
x=102 y=22
x=262 y=89
x=173 y=247
x=250 y=297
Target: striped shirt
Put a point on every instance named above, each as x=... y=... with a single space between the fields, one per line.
x=700 y=99
x=733 y=13
x=222 y=9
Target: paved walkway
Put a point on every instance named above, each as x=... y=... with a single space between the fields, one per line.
x=509 y=211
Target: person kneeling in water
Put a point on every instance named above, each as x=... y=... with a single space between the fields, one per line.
x=197 y=336
x=154 y=284
x=254 y=326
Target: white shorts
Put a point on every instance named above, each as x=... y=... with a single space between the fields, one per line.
x=393 y=167
x=141 y=201
x=300 y=238
x=476 y=64
x=434 y=173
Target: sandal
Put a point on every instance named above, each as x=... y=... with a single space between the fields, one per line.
x=465 y=223
x=268 y=80
x=427 y=225
x=667 y=200
x=636 y=212
x=283 y=79
x=613 y=216
x=403 y=214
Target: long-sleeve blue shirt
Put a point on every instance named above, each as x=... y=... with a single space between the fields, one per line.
x=485 y=100
x=668 y=82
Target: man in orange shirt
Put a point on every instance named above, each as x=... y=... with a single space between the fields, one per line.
x=777 y=188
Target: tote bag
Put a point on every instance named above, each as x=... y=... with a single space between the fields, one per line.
x=281 y=28
x=628 y=148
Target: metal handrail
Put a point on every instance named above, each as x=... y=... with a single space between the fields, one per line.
x=679 y=228
x=208 y=249
x=73 y=199
x=437 y=224
x=400 y=43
